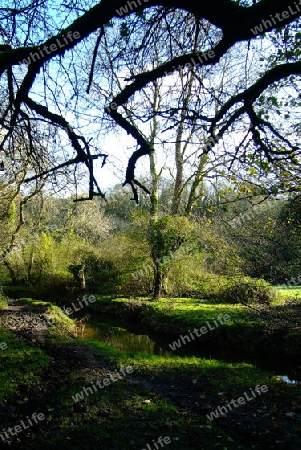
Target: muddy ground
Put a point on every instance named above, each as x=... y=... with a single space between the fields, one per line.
x=272 y=421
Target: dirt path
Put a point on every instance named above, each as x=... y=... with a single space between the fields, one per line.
x=272 y=422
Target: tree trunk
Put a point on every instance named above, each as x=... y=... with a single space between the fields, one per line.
x=198 y=180
x=80 y=279
x=78 y=272
x=30 y=265
x=180 y=150
x=178 y=188
x=12 y=273
x=158 y=283
x=154 y=197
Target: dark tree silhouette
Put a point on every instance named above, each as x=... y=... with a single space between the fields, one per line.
x=45 y=53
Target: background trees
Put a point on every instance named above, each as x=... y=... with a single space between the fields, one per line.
x=203 y=91
x=247 y=113
x=188 y=256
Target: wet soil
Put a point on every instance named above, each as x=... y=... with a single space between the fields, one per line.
x=271 y=421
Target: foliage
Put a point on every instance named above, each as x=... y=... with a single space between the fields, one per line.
x=110 y=268
x=167 y=234
x=247 y=291
x=287 y=294
x=75 y=268
x=3 y=300
x=55 y=286
x=266 y=236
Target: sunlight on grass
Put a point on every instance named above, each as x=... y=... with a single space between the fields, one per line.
x=215 y=371
x=62 y=326
x=3 y=303
x=34 y=302
x=287 y=293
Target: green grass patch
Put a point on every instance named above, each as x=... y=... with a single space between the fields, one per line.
x=62 y=327
x=36 y=303
x=20 y=364
x=3 y=302
x=191 y=310
x=286 y=293
x=218 y=373
x=126 y=415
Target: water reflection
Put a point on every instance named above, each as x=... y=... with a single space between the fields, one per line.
x=134 y=339
x=124 y=340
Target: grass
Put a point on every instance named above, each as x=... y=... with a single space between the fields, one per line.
x=285 y=293
x=192 y=312
x=151 y=415
x=127 y=415
x=242 y=375
x=20 y=364
x=174 y=316
x=34 y=302
x=3 y=302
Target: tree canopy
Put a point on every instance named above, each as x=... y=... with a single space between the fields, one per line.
x=71 y=72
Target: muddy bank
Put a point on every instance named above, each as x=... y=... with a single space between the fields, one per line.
x=267 y=333
x=108 y=421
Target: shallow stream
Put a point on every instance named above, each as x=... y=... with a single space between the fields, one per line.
x=132 y=338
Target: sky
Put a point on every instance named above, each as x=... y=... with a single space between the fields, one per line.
x=118 y=147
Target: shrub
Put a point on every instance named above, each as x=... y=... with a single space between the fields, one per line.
x=55 y=286
x=135 y=287
x=246 y=290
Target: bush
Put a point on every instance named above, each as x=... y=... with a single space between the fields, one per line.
x=134 y=287
x=55 y=286
x=246 y=290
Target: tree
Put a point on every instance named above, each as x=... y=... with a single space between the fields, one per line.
x=176 y=153
x=264 y=230
x=13 y=204
x=56 y=233
x=37 y=51
x=166 y=235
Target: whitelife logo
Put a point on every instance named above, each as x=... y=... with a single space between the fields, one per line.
x=166 y=440
x=3 y=346
x=51 y=48
x=125 y=9
x=203 y=330
x=202 y=59
x=13 y=431
x=224 y=409
x=86 y=391
x=277 y=18
x=79 y=305
x=50 y=322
